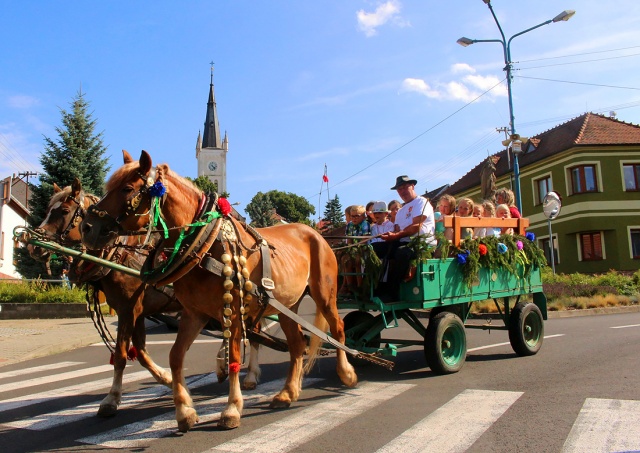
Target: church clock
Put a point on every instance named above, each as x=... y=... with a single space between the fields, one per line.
x=213 y=166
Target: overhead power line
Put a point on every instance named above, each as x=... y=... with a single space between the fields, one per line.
x=578 y=54
x=578 y=83
x=575 y=62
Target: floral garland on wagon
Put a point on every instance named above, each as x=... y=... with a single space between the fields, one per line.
x=517 y=254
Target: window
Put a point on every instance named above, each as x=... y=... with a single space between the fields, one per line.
x=635 y=243
x=591 y=246
x=543 y=187
x=631 y=177
x=544 y=244
x=583 y=179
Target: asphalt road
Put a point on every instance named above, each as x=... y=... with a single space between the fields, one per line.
x=581 y=392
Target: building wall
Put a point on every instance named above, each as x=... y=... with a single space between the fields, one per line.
x=611 y=210
x=9 y=219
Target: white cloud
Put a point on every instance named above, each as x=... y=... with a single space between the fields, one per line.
x=22 y=102
x=385 y=12
x=462 y=67
x=465 y=88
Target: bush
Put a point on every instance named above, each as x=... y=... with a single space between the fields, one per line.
x=589 y=286
x=40 y=292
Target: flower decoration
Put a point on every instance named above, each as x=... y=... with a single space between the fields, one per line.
x=531 y=236
x=157 y=189
x=235 y=366
x=462 y=257
x=502 y=248
x=482 y=249
x=223 y=206
x=520 y=245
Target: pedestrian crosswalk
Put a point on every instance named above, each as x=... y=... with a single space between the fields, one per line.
x=600 y=425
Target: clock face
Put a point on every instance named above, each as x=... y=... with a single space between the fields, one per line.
x=213 y=166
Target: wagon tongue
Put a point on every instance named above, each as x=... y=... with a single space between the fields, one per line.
x=323 y=336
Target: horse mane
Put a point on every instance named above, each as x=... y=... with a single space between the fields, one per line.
x=60 y=196
x=121 y=174
x=162 y=171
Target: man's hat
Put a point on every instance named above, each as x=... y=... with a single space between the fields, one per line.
x=379 y=206
x=404 y=179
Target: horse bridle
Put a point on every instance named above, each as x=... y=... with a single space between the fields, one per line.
x=132 y=203
x=76 y=218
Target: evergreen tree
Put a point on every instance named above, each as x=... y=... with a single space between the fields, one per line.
x=333 y=213
x=78 y=152
x=260 y=210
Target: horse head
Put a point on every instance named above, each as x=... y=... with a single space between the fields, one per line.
x=66 y=209
x=123 y=206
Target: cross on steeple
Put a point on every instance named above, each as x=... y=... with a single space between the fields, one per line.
x=211 y=63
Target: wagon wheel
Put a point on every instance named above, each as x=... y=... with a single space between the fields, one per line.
x=445 y=343
x=353 y=320
x=526 y=329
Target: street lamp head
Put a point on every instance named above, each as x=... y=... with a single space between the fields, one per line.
x=564 y=15
x=464 y=42
x=487 y=1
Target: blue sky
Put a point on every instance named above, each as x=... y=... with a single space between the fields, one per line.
x=372 y=89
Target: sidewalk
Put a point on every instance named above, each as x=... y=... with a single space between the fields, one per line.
x=24 y=339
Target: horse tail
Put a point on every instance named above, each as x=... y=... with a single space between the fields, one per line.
x=314 y=344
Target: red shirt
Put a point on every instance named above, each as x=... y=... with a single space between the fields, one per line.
x=515 y=214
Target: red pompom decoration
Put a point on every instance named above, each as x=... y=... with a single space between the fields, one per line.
x=223 y=206
x=234 y=367
x=482 y=249
x=132 y=354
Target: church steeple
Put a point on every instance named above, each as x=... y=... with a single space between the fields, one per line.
x=211 y=136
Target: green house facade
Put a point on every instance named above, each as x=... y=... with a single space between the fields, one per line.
x=593 y=162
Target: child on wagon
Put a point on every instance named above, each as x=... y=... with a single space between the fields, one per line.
x=357 y=227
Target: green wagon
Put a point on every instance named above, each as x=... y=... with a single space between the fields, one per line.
x=438 y=290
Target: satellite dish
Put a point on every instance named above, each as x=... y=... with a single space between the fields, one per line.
x=551 y=205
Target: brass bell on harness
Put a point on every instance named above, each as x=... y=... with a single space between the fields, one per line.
x=248 y=286
x=227 y=298
x=228 y=285
x=227 y=271
x=242 y=260
x=227 y=311
x=226 y=258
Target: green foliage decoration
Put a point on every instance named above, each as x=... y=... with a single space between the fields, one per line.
x=518 y=261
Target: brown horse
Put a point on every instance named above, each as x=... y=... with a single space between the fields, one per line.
x=131 y=299
x=298 y=260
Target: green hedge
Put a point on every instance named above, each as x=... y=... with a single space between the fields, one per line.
x=40 y=292
x=583 y=285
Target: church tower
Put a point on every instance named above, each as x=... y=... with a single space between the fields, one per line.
x=211 y=150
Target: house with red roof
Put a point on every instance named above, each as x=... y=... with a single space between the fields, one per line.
x=593 y=163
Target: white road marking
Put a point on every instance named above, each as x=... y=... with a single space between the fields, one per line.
x=52 y=419
x=293 y=431
x=624 y=327
x=72 y=390
x=140 y=434
x=37 y=369
x=455 y=426
x=605 y=425
x=495 y=345
x=56 y=377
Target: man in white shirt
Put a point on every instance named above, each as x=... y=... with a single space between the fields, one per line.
x=416 y=217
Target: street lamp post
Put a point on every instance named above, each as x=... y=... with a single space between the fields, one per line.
x=506 y=48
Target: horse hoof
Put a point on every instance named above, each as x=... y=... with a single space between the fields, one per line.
x=107 y=410
x=249 y=385
x=279 y=404
x=190 y=419
x=222 y=377
x=229 y=421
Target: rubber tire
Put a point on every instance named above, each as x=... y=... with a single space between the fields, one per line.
x=445 y=343
x=354 y=319
x=526 y=329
